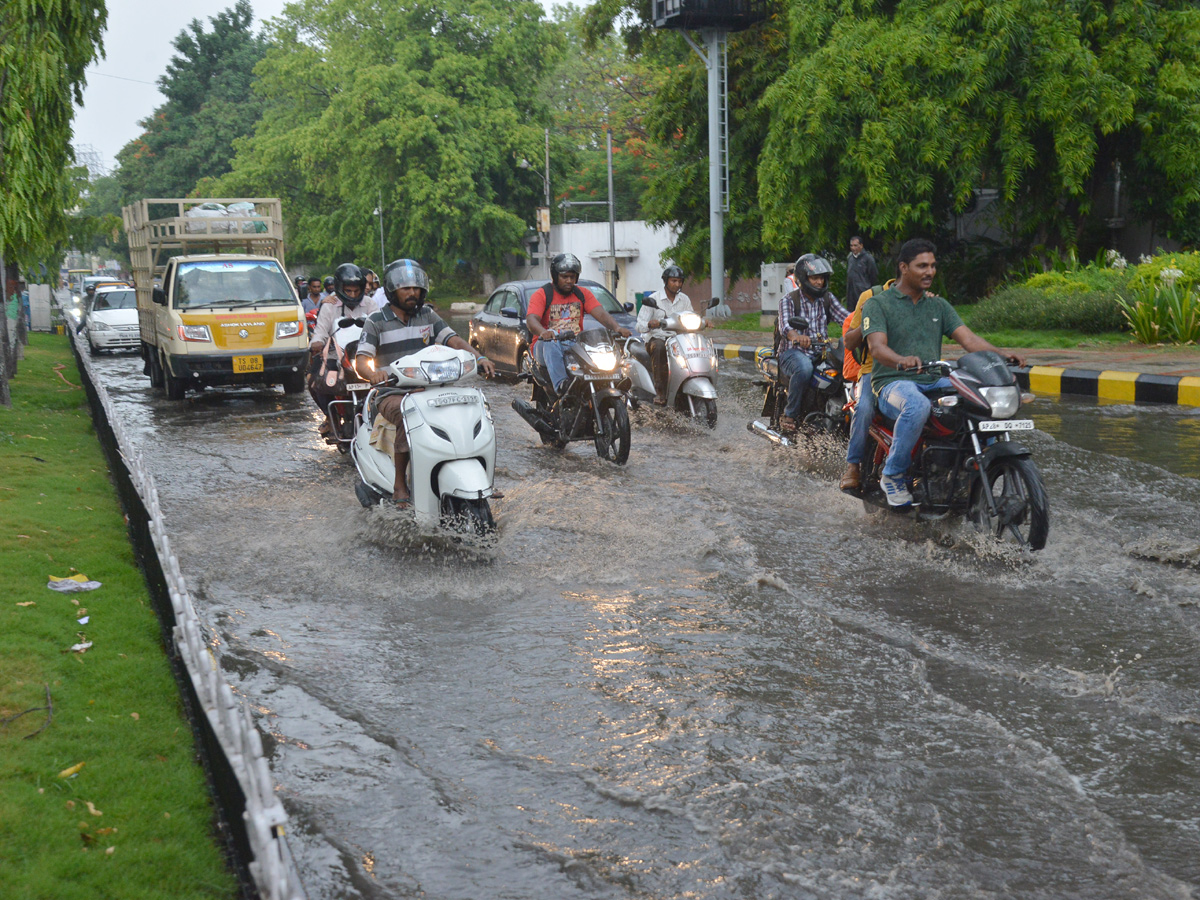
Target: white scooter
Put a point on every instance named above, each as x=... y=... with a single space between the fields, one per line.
x=691 y=365
x=451 y=440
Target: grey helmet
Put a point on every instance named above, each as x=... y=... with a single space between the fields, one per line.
x=565 y=262
x=810 y=266
x=671 y=272
x=405 y=273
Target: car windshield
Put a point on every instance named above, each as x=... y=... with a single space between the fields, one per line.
x=240 y=282
x=607 y=300
x=115 y=300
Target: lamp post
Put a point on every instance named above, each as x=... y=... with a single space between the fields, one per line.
x=379 y=213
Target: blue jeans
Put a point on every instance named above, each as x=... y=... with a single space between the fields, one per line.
x=550 y=355
x=860 y=424
x=797 y=366
x=905 y=401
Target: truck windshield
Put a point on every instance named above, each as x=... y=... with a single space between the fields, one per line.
x=241 y=282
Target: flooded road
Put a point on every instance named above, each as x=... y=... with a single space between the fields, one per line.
x=707 y=673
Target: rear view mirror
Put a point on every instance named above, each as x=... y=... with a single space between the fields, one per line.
x=159 y=296
x=650 y=302
x=714 y=302
x=629 y=307
x=798 y=323
x=510 y=312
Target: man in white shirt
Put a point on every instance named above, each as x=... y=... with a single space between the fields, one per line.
x=671 y=300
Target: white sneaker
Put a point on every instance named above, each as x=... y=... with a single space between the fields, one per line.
x=895 y=490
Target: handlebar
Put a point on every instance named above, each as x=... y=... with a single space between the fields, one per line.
x=929 y=364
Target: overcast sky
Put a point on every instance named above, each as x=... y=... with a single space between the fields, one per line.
x=122 y=88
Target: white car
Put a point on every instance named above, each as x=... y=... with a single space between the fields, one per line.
x=112 y=320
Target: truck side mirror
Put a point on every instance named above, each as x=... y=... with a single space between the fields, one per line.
x=159 y=296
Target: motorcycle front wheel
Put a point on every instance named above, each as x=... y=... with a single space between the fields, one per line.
x=1021 y=512
x=612 y=437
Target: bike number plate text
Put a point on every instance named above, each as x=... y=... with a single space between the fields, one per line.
x=247 y=364
x=451 y=399
x=1010 y=425
x=357 y=386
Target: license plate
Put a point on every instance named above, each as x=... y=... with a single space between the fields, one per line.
x=1010 y=425
x=247 y=364
x=357 y=386
x=451 y=399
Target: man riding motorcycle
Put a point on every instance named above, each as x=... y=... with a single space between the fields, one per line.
x=813 y=302
x=904 y=326
x=402 y=327
x=349 y=299
x=671 y=301
x=558 y=308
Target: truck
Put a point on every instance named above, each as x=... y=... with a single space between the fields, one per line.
x=215 y=306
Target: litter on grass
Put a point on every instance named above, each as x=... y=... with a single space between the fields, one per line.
x=80 y=648
x=71 y=584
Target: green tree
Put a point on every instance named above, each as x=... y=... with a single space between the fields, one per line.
x=427 y=105
x=45 y=47
x=209 y=105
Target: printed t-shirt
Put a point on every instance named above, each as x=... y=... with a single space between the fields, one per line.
x=912 y=329
x=565 y=313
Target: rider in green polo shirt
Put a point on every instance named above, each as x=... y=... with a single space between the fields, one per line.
x=904 y=327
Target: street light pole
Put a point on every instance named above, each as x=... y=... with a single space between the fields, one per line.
x=379 y=212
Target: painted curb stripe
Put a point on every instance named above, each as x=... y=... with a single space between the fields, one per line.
x=1125 y=387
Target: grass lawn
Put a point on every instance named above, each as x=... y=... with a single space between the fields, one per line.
x=136 y=821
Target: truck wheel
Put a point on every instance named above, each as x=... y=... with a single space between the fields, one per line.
x=154 y=370
x=174 y=386
x=293 y=383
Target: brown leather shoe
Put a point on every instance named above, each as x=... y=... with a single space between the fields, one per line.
x=852 y=477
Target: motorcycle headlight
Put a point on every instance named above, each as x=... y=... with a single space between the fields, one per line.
x=194 y=333
x=96 y=325
x=442 y=372
x=603 y=358
x=1004 y=401
x=286 y=329
x=689 y=321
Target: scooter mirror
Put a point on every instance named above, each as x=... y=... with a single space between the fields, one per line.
x=714 y=302
x=347 y=321
x=798 y=323
x=650 y=302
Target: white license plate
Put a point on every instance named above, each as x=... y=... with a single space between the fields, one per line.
x=357 y=386
x=1009 y=425
x=451 y=399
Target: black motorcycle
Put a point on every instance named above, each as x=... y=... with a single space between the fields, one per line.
x=825 y=407
x=592 y=403
x=965 y=462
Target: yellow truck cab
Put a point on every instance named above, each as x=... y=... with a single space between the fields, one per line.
x=228 y=316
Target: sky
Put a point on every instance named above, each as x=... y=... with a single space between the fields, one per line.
x=122 y=88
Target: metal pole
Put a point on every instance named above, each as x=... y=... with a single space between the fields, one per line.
x=381 y=254
x=546 y=177
x=716 y=216
x=612 y=219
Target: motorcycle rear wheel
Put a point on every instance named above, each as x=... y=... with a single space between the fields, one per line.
x=543 y=408
x=1022 y=508
x=613 y=438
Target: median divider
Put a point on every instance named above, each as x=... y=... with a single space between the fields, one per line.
x=1125 y=387
x=254 y=821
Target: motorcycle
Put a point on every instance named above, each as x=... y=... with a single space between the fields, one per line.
x=828 y=400
x=451 y=440
x=593 y=402
x=691 y=365
x=346 y=387
x=965 y=461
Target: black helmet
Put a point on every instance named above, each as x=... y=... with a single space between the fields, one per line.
x=405 y=273
x=328 y=282
x=811 y=266
x=672 y=272
x=349 y=274
x=565 y=262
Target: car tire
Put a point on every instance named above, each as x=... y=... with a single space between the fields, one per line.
x=93 y=350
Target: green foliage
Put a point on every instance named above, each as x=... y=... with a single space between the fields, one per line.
x=1036 y=309
x=45 y=46
x=1163 y=308
x=209 y=105
x=141 y=775
x=1150 y=271
x=427 y=106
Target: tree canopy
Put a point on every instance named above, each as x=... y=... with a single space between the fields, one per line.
x=425 y=106
x=45 y=47
x=209 y=105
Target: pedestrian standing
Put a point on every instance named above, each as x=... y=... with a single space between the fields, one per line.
x=861 y=272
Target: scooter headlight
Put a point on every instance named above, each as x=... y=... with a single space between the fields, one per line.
x=1003 y=401
x=443 y=371
x=689 y=321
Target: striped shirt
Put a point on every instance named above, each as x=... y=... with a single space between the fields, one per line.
x=387 y=339
x=797 y=303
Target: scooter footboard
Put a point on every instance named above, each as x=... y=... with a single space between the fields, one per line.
x=466 y=478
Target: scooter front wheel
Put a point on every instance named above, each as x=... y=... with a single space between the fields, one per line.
x=612 y=437
x=467 y=516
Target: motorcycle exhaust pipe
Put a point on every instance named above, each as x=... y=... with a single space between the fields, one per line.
x=757 y=427
x=529 y=413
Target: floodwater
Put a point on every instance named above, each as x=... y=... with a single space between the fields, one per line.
x=706 y=674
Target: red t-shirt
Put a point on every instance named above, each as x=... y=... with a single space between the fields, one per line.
x=564 y=313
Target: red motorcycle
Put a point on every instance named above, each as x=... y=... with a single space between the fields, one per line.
x=965 y=461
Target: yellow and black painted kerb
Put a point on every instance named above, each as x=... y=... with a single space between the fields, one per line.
x=1125 y=387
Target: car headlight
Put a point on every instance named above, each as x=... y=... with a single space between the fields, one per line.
x=194 y=333
x=286 y=329
x=603 y=358
x=99 y=326
x=1004 y=401
x=443 y=371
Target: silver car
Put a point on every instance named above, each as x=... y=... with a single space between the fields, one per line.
x=111 y=321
